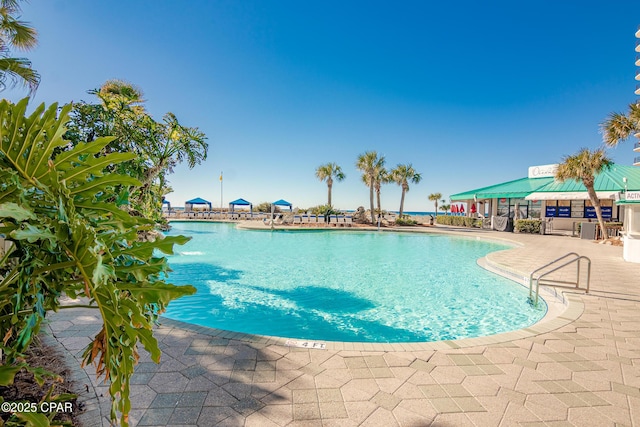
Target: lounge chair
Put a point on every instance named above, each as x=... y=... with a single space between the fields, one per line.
x=348 y=221
x=333 y=220
x=297 y=219
x=304 y=219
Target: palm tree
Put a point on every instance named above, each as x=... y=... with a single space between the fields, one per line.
x=328 y=172
x=619 y=127
x=434 y=197
x=382 y=177
x=583 y=166
x=445 y=208
x=19 y=35
x=401 y=175
x=370 y=165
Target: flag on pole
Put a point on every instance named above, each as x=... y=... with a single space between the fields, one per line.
x=220 y=176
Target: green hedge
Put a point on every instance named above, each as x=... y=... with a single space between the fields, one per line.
x=459 y=221
x=405 y=220
x=527 y=226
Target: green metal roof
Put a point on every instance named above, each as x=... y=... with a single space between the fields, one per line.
x=609 y=180
x=514 y=189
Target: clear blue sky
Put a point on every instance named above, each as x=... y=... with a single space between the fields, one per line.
x=471 y=93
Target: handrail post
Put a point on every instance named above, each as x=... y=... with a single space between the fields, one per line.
x=577 y=282
x=588 y=275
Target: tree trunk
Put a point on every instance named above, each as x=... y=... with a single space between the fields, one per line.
x=329 y=191
x=436 y=208
x=402 y=203
x=373 y=219
x=378 y=199
x=596 y=205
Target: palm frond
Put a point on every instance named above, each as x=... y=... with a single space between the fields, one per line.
x=18 y=70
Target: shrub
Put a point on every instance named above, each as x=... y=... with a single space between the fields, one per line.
x=323 y=210
x=265 y=207
x=405 y=220
x=459 y=221
x=527 y=226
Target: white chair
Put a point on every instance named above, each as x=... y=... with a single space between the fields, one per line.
x=348 y=221
x=297 y=219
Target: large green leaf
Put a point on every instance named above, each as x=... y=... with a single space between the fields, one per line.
x=15 y=211
x=58 y=207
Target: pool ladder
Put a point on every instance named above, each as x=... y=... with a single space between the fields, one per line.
x=575 y=259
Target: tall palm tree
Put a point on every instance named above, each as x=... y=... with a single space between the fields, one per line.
x=401 y=175
x=328 y=172
x=619 y=126
x=18 y=35
x=370 y=165
x=584 y=166
x=382 y=177
x=434 y=197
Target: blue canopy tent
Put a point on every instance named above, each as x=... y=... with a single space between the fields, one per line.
x=240 y=202
x=282 y=202
x=188 y=205
x=166 y=202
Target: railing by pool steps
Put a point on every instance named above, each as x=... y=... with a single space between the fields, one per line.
x=543 y=271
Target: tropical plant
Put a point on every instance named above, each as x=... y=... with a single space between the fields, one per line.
x=401 y=175
x=59 y=211
x=19 y=35
x=584 y=166
x=266 y=207
x=328 y=172
x=366 y=164
x=159 y=146
x=619 y=126
x=381 y=177
x=323 y=210
x=445 y=208
x=434 y=197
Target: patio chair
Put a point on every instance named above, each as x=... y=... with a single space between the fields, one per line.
x=348 y=221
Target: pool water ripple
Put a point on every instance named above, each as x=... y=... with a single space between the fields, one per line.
x=344 y=285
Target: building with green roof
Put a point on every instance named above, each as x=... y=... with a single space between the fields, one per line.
x=539 y=195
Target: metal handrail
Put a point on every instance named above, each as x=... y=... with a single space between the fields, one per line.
x=577 y=282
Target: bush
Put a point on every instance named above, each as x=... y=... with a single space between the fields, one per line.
x=405 y=220
x=323 y=210
x=527 y=226
x=459 y=221
x=265 y=207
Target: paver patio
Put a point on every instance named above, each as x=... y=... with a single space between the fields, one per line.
x=580 y=369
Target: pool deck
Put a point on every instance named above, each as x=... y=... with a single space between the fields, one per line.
x=579 y=368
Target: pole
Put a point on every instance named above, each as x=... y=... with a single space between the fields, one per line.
x=221 y=205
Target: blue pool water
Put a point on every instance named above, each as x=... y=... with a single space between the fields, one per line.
x=343 y=285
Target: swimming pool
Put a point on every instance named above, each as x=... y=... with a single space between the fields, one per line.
x=354 y=286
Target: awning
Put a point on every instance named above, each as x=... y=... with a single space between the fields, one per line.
x=569 y=195
x=516 y=189
x=282 y=202
x=241 y=202
x=188 y=205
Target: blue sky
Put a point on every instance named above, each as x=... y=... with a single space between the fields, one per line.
x=471 y=93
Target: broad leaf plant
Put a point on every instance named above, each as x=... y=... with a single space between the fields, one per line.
x=68 y=236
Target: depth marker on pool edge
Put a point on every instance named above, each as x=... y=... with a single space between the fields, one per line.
x=306 y=344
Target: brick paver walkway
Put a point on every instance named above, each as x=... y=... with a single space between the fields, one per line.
x=581 y=369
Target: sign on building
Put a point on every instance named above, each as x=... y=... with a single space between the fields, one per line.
x=543 y=171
